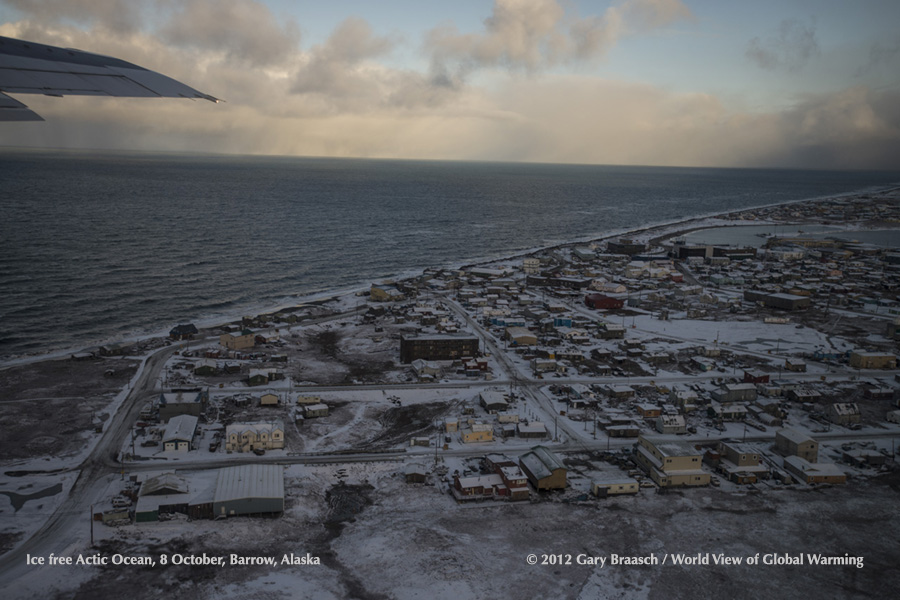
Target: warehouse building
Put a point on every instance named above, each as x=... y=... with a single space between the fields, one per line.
x=779 y=301
x=249 y=490
x=544 y=469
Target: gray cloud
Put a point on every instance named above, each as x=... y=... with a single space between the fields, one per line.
x=882 y=55
x=534 y=34
x=123 y=16
x=244 y=30
x=790 y=48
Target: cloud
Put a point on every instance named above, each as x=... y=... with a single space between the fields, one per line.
x=243 y=30
x=534 y=34
x=882 y=55
x=790 y=48
x=123 y=16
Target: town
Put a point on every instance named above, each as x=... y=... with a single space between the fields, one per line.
x=651 y=363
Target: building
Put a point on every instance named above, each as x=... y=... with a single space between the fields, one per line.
x=493 y=401
x=780 y=301
x=415 y=473
x=790 y=442
x=670 y=464
x=614 y=486
x=179 y=433
x=544 y=469
x=669 y=424
x=534 y=429
x=246 y=437
x=741 y=463
x=735 y=392
x=872 y=360
x=795 y=364
x=188 y=401
x=385 y=292
x=312 y=411
x=813 y=472
x=269 y=399
x=238 y=340
x=648 y=411
x=625 y=246
x=480 y=487
x=249 y=490
x=843 y=413
x=186 y=331
x=520 y=336
x=437 y=347
x=602 y=301
x=476 y=432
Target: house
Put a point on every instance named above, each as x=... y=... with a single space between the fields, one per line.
x=183 y=332
x=614 y=486
x=312 y=411
x=426 y=369
x=790 y=442
x=186 y=401
x=206 y=367
x=476 y=433
x=385 y=292
x=269 y=399
x=620 y=391
x=795 y=364
x=258 y=377
x=843 y=413
x=755 y=377
x=246 y=437
x=813 y=472
x=238 y=340
x=513 y=478
x=670 y=464
x=493 y=401
x=648 y=411
x=480 y=487
x=534 y=429
x=301 y=400
x=179 y=433
x=415 y=473
x=727 y=412
x=544 y=469
x=685 y=400
x=671 y=424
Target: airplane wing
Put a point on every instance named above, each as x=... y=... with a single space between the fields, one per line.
x=30 y=68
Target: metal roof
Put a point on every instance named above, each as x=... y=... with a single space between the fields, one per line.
x=250 y=481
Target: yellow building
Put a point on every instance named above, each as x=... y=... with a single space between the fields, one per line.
x=872 y=360
x=238 y=341
x=245 y=437
x=789 y=442
x=669 y=463
x=477 y=432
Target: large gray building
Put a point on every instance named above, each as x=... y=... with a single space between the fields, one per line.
x=249 y=490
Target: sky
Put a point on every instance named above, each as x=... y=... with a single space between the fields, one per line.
x=787 y=84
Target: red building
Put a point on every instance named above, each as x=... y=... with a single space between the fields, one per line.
x=596 y=301
x=755 y=377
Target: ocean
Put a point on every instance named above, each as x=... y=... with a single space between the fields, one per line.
x=102 y=246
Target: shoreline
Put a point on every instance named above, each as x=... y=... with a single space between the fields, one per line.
x=663 y=230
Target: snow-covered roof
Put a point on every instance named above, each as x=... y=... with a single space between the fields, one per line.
x=181 y=427
x=250 y=481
